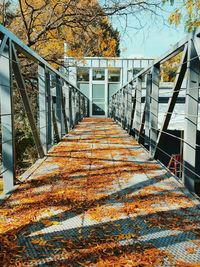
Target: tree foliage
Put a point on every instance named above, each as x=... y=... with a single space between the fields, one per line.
x=44 y=25
x=188 y=11
x=170 y=67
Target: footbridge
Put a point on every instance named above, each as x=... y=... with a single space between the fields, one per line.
x=101 y=191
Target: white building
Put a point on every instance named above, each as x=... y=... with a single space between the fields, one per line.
x=99 y=78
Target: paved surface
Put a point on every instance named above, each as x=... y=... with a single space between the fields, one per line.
x=97 y=200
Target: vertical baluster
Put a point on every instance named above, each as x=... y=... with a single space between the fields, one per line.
x=42 y=107
x=138 y=113
x=191 y=120
x=154 y=105
x=7 y=131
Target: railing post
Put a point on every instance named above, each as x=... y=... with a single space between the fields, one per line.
x=138 y=119
x=147 y=108
x=42 y=107
x=123 y=107
x=133 y=104
x=129 y=106
x=79 y=106
x=191 y=119
x=73 y=107
x=58 y=106
x=154 y=105
x=67 y=104
x=7 y=131
x=50 y=133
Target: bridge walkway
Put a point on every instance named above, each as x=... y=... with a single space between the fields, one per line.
x=97 y=200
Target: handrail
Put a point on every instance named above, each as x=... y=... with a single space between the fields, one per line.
x=174 y=50
x=58 y=111
x=126 y=109
x=24 y=49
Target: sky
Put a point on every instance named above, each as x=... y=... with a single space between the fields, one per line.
x=153 y=40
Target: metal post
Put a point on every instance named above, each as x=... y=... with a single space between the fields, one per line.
x=121 y=106
x=191 y=119
x=125 y=106
x=42 y=107
x=154 y=109
x=128 y=107
x=49 y=111
x=70 y=106
x=8 y=158
x=79 y=106
x=66 y=107
x=58 y=106
x=138 y=118
x=133 y=105
x=27 y=106
x=147 y=109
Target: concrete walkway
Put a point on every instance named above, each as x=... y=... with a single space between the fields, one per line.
x=97 y=200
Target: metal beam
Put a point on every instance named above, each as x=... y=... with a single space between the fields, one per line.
x=138 y=118
x=147 y=109
x=49 y=110
x=2 y=44
x=58 y=115
x=26 y=103
x=132 y=109
x=129 y=106
x=7 y=131
x=64 y=124
x=154 y=105
x=55 y=125
x=125 y=107
x=42 y=107
x=172 y=101
x=25 y=50
x=174 y=50
x=191 y=119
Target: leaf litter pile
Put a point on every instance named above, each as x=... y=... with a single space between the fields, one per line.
x=98 y=201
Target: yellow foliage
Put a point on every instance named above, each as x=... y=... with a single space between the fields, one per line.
x=45 y=26
x=191 y=18
x=175 y=17
x=189 y=6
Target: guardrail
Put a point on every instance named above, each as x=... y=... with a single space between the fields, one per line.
x=126 y=108
x=60 y=105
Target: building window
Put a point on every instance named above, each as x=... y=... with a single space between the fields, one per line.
x=98 y=74
x=114 y=75
x=83 y=75
x=84 y=88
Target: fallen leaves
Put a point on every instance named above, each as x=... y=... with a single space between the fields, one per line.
x=190 y=250
x=49 y=223
x=40 y=242
x=89 y=174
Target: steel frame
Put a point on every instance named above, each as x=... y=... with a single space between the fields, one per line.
x=54 y=120
x=144 y=125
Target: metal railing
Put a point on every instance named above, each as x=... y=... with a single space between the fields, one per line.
x=60 y=105
x=141 y=119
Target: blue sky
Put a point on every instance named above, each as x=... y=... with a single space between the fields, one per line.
x=151 y=41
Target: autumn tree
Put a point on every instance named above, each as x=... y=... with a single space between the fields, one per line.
x=6 y=12
x=186 y=11
x=170 y=67
x=45 y=25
